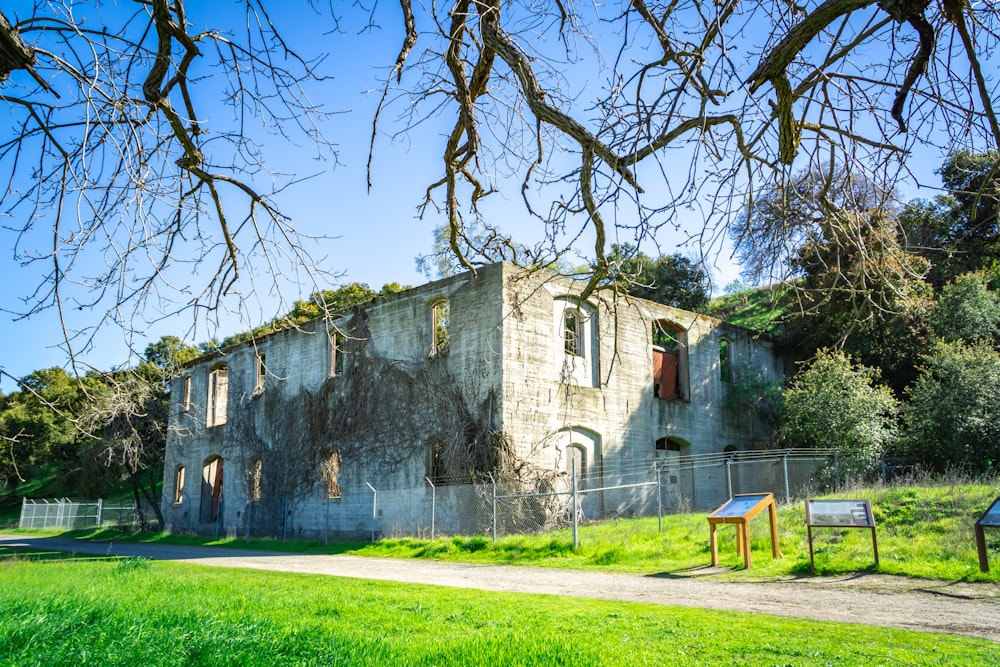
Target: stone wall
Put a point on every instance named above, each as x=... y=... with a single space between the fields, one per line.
x=507 y=366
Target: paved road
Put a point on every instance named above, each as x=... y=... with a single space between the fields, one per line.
x=965 y=609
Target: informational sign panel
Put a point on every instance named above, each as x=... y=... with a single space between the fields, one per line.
x=741 y=505
x=839 y=514
x=989 y=519
x=738 y=511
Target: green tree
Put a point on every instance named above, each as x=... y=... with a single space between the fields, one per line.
x=673 y=280
x=170 y=352
x=40 y=423
x=958 y=231
x=952 y=419
x=967 y=310
x=836 y=404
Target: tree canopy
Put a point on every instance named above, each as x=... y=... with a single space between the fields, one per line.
x=608 y=123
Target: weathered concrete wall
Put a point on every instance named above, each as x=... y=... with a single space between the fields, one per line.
x=398 y=328
x=618 y=421
x=507 y=355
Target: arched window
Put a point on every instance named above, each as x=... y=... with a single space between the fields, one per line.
x=670 y=361
x=576 y=461
x=211 y=488
x=186 y=394
x=575 y=344
x=725 y=360
x=338 y=355
x=440 y=326
x=218 y=395
x=179 y=485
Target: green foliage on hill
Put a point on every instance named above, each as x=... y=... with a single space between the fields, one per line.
x=758 y=308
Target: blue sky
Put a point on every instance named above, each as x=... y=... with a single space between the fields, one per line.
x=372 y=237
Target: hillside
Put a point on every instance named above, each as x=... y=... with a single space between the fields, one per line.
x=757 y=309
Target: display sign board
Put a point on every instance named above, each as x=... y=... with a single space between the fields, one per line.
x=839 y=514
x=989 y=519
x=741 y=505
x=738 y=511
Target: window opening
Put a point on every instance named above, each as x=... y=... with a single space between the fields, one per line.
x=256 y=467
x=440 y=323
x=572 y=332
x=576 y=461
x=669 y=362
x=331 y=470
x=218 y=395
x=179 y=485
x=186 y=394
x=338 y=355
x=211 y=488
x=435 y=462
x=261 y=373
x=725 y=361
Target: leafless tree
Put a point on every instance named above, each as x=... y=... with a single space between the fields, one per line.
x=619 y=118
x=115 y=179
x=613 y=121
x=123 y=431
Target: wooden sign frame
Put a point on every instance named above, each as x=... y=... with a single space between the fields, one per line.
x=989 y=519
x=839 y=514
x=738 y=511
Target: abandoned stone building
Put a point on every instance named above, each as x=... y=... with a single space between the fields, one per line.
x=502 y=374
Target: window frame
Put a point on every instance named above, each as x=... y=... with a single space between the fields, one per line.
x=179 y=484
x=218 y=398
x=440 y=326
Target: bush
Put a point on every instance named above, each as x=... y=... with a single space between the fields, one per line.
x=953 y=416
x=835 y=404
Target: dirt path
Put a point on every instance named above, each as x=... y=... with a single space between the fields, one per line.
x=913 y=604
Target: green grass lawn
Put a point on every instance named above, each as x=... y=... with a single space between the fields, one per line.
x=923 y=531
x=56 y=609
x=97 y=611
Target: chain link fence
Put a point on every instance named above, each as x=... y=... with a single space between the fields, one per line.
x=66 y=514
x=497 y=508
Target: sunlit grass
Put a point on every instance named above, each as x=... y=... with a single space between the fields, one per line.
x=135 y=612
x=923 y=531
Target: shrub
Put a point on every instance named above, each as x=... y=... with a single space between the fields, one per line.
x=839 y=405
x=953 y=416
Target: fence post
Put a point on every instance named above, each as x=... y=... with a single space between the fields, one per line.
x=100 y=506
x=784 y=463
x=24 y=509
x=576 y=523
x=659 y=498
x=374 y=508
x=433 y=504
x=885 y=475
x=729 y=474
x=249 y=511
x=494 y=481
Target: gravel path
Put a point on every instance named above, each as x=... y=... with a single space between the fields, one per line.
x=913 y=604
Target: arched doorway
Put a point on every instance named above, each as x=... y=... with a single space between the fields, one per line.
x=211 y=488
